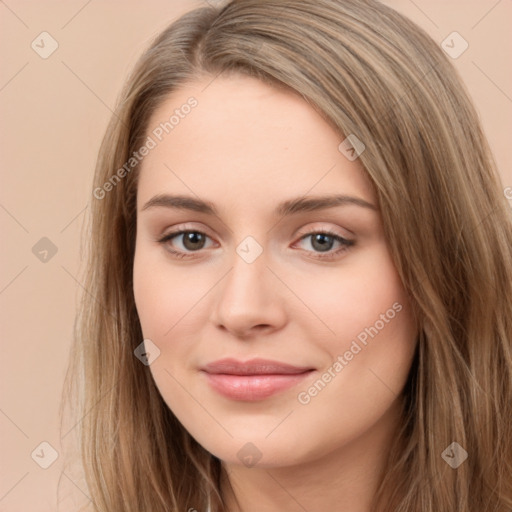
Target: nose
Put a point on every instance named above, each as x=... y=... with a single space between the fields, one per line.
x=249 y=299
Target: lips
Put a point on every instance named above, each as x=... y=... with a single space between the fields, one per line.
x=252 y=380
x=253 y=367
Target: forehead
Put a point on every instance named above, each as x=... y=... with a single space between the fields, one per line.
x=245 y=140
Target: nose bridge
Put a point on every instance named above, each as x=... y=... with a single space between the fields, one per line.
x=247 y=282
x=248 y=297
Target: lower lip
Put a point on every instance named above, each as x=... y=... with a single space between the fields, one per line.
x=253 y=387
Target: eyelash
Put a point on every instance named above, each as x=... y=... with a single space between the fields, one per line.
x=346 y=244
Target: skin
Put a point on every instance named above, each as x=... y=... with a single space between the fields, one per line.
x=246 y=147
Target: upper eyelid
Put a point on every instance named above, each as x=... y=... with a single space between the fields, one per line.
x=179 y=231
x=345 y=244
x=183 y=227
x=182 y=230
x=329 y=230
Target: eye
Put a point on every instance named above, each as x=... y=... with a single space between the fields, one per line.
x=323 y=241
x=191 y=240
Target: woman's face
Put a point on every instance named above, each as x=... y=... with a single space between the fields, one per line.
x=251 y=280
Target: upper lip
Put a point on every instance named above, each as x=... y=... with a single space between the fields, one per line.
x=253 y=367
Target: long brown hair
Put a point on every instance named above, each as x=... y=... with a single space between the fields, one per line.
x=372 y=73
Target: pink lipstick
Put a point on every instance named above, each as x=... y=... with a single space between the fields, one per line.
x=252 y=380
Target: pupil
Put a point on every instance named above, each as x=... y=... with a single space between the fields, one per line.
x=193 y=238
x=321 y=237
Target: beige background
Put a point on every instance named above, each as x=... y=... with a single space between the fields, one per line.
x=54 y=112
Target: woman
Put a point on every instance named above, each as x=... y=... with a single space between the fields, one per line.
x=299 y=274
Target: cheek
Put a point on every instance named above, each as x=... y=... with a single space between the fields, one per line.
x=174 y=312
x=369 y=357
x=371 y=335
x=163 y=295
x=165 y=299
x=350 y=300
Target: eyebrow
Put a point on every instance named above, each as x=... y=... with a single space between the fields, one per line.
x=286 y=208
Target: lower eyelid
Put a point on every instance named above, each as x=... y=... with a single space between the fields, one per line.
x=344 y=242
